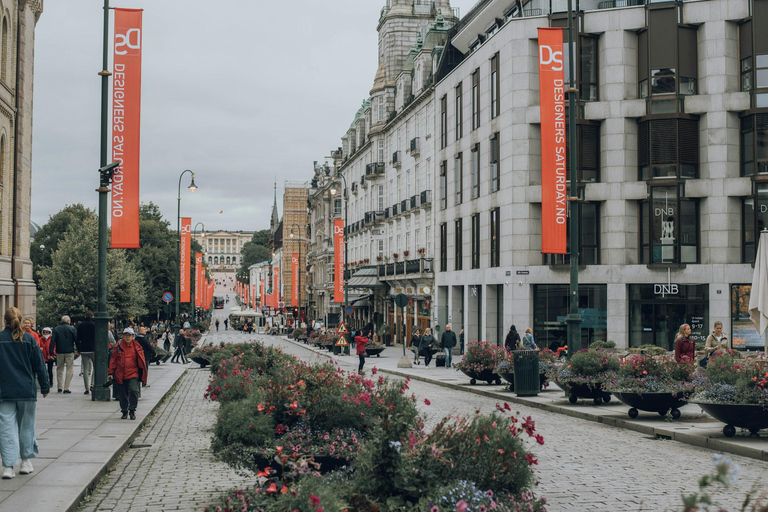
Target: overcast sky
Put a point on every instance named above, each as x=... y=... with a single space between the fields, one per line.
x=240 y=92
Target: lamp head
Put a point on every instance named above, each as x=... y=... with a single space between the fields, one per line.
x=192 y=186
x=333 y=191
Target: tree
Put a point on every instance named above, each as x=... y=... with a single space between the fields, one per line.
x=48 y=237
x=68 y=285
x=255 y=251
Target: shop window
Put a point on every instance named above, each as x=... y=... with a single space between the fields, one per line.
x=475 y=240
x=754 y=144
x=667 y=60
x=656 y=312
x=754 y=218
x=744 y=335
x=669 y=227
x=458 y=244
x=588 y=150
x=495 y=236
x=589 y=238
x=551 y=304
x=668 y=148
x=443 y=247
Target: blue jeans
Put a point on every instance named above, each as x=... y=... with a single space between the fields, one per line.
x=17 y=431
x=448 y=356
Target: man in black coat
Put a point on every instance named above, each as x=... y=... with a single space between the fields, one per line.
x=179 y=343
x=448 y=341
x=512 y=340
x=63 y=345
x=86 y=344
x=149 y=352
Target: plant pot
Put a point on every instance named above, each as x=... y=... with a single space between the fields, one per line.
x=510 y=377
x=374 y=352
x=652 y=402
x=593 y=391
x=752 y=417
x=201 y=361
x=487 y=375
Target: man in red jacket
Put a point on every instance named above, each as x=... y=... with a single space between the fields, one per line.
x=128 y=368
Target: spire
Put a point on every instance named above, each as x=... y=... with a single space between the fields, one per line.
x=275 y=218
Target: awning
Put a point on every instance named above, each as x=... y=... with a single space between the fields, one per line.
x=365 y=278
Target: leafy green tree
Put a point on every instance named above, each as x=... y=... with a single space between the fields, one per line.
x=255 y=251
x=48 y=237
x=68 y=285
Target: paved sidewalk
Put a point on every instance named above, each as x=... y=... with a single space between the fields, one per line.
x=694 y=426
x=79 y=439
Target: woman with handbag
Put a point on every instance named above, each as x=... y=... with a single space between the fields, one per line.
x=416 y=345
x=427 y=342
x=360 y=342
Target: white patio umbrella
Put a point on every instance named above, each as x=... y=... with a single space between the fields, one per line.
x=758 y=297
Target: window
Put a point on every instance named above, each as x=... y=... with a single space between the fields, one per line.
x=380 y=249
x=754 y=144
x=494 y=163
x=587 y=150
x=588 y=67
x=443 y=184
x=380 y=151
x=754 y=219
x=459 y=114
x=495 y=236
x=753 y=52
x=669 y=227
x=5 y=50
x=428 y=229
x=443 y=122
x=475 y=171
x=380 y=201
x=458 y=178
x=476 y=240
x=336 y=207
x=443 y=247
x=668 y=148
x=551 y=307
x=495 y=104
x=458 y=253
x=589 y=238
x=476 y=99
x=380 y=111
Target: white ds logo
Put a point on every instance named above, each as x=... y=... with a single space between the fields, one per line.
x=547 y=57
x=338 y=230
x=131 y=39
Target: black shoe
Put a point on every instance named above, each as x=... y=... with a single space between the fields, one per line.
x=133 y=415
x=59 y=390
x=124 y=416
x=67 y=392
x=86 y=392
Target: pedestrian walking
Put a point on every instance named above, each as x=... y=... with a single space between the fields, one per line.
x=166 y=339
x=217 y=325
x=416 y=345
x=86 y=345
x=63 y=342
x=360 y=342
x=426 y=345
x=461 y=343
x=448 y=341
x=21 y=362
x=178 y=344
x=528 y=342
x=512 y=340
x=685 y=347
x=48 y=357
x=149 y=352
x=226 y=324
x=127 y=368
x=717 y=340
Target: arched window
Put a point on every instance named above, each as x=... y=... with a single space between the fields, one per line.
x=5 y=45
x=216 y=260
x=210 y=260
x=228 y=260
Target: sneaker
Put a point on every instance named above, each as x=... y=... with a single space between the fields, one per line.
x=86 y=392
x=124 y=416
x=66 y=392
x=26 y=467
x=133 y=415
x=8 y=473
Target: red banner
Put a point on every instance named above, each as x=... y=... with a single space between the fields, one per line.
x=253 y=299
x=262 y=297
x=126 y=128
x=275 y=288
x=554 y=209
x=198 y=279
x=186 y=229
x=295 y=292
x=338 y=251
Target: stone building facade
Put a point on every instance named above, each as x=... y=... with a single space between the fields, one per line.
x=294 y=225
x=672 y=165
x=17 y=38
x=221 y=249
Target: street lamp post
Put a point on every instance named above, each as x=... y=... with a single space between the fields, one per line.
x=192 y=187
x=346 y=259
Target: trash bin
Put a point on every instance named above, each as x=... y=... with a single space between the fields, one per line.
x=526 y=363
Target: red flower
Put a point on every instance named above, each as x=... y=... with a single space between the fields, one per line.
x=314 y=500
x=426 y=401
x=272 y=487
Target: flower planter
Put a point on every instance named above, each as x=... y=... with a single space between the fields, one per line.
x=374 y=352
x=200 y=360
x=487 y=375
x=752 y=417
x=652 y=402
x=593 y=391
x=510 y=377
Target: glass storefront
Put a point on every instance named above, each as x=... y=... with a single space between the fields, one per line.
x=550 y=307
x=656 y=312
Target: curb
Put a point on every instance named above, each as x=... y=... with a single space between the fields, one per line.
x=670 y=433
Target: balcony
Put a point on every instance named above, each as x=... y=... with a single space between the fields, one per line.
x=426 y=198
x=397 y=160
x=404 y=206
x=610 y=4
x=415 y=146
x=411 y=268
x=387 y=213
x=354 y=187
x=378 y=217
x=414 y=202
x=363 y=182
x=374 y=170
x=369 y=217
x=394 y=210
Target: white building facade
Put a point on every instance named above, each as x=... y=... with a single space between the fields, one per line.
x=221 y=249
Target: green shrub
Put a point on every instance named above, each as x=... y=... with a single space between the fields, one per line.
x=602 y=344
x=651 y=350
x=592 y=362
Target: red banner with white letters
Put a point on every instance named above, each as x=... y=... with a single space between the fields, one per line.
x=186 y=242
x=262 y=297
x=199 y=279
x=338 y=252
x=126 y=128
x=554 y=205
x=295 y=280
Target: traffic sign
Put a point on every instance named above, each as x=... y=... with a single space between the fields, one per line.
x=401 y=300
x=342 y=341
x=281 y=305
x=343 y=328
x=349 y=310
x=167 y=297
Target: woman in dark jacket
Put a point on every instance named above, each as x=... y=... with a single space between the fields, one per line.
x=427 y=342
x=416 y=345
x=20 y=363
x=512 y=339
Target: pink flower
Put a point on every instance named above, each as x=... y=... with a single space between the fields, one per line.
x=426 y=401
x=462 y=506
x=314 y=500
